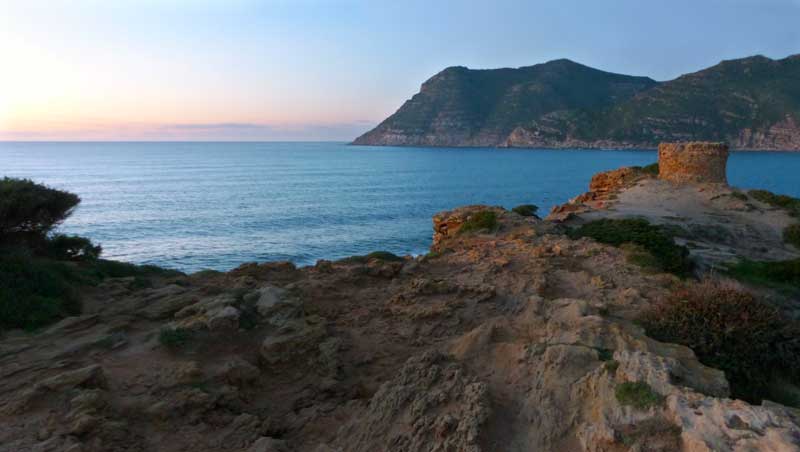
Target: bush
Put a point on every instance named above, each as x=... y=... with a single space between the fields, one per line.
x=653 y=239
x=730 y=330
x=651 y=169
x=779 y=274
x=174 y=338
x=29 y=211
x=526 y=210
x=739 y=195
x=485 y=220
x=791 y=205
x=637 y=394
x=35 y=292
x=379 y=255
x=72 y=247
x=791 y=235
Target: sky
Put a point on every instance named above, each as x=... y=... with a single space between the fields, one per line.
x=327 y=69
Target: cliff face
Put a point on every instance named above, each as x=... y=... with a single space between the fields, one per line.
x=752 y=103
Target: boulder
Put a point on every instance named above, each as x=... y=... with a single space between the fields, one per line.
x=225 y=319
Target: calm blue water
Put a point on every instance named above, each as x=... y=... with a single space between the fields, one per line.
x=216 y=205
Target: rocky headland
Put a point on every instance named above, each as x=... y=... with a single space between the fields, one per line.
x=514 y=333
x=752 y=103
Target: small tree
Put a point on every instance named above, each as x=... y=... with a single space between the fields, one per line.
x=72 y=247
x=29 y=211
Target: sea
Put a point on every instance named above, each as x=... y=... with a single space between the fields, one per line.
x=193 y=206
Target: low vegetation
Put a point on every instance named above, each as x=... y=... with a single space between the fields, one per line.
x=637 y=394
x=34 y=292
x=777 y=274
x=791 y=235
x=788 y=203
x=378 y=255
x=174 y=338
x=29 y=211
x=739 y=195
x=526 y=210
x=651 y=169
x=41 y=272
x=485 y=220
x=72 y=248
x=731 y=330
x=664 y=253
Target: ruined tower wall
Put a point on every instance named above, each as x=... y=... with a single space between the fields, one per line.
x=695 y=162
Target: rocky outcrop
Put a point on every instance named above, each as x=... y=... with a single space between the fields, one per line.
x=511 y=338
x=603 y=190
x=750 y=103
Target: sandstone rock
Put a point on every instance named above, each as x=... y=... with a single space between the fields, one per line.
x=444 y=408
x=188 y=372
x=226 y=319
x=162 y=302
x=83 y=424
x=91 y=376
x=296 y=339
x=269 y=299
x=265 y=444
x=447 y=224
x=238 y=372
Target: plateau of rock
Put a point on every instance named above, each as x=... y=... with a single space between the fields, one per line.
x=513 y=338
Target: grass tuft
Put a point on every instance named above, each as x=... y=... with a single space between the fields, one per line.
x=379 y=255
x=776 y=274
x=788 y=203
x=651 y=169
x=666 y=255
x=791 y=235
x=526 y=210
x=485 y=220
x=174 y=338
x=637 y=394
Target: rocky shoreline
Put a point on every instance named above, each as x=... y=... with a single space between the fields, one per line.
x=511 y=335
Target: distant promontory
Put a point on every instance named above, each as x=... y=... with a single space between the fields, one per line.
x=752 y=103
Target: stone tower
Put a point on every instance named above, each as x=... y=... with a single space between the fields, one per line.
x=694 y=162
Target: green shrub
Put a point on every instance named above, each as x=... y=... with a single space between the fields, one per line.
x=526 y=210
x=72 y=248
x=35 y=292
x=174 y=338
x=611 y=366
x=484 y=220
x=791 y=205
x=739 y=195
x=730 y=330
x=669 y=256
x=637 y=394
x=101 y=269
x=29 y=211
x=779 y=274
x=379 y=255
x=651 y=169
x=791 y=235
x=604 y=354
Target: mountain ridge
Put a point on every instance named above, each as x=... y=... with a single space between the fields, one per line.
x=752 y=102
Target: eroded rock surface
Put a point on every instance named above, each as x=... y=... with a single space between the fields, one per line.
x=509 y=340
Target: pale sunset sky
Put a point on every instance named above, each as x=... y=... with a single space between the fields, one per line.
x=327 y=69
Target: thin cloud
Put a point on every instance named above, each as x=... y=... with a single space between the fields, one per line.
x=214 y=131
